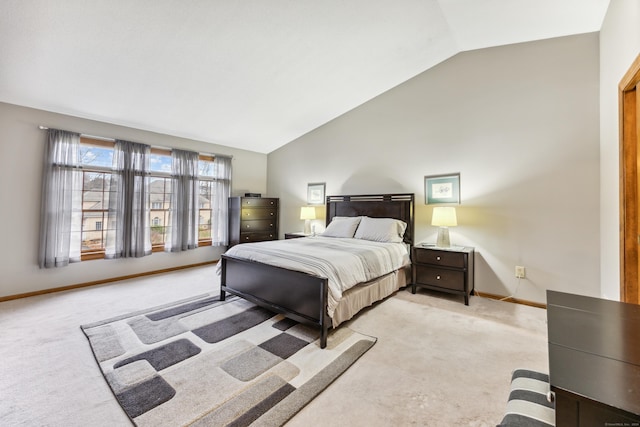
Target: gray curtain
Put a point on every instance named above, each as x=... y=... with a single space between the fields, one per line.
x=128 y=233
x=221 y=193
x=183 y=233
x=61 y=206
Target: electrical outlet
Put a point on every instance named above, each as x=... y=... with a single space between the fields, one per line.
x=520 y=273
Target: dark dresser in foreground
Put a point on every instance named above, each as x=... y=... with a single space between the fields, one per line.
x=252 y=219
x=594 y=360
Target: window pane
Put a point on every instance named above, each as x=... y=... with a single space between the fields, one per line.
x=204 y=225
x=158 y=233
x=92 y=240
x=93 y=181
x=206 y=168
x=159 y=200
x=159 y=163
x=96 y=156
x=92 y=200
x=95 y=200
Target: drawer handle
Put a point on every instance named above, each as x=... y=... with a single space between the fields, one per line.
x=246 y=238
x=438 y=277
x=551 y=397
x=271 y=213
x=438 y=258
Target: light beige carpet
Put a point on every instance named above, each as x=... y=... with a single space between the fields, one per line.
x=437 y=362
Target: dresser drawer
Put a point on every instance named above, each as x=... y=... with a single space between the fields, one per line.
x=441 y=277
x=258 y=225
x=258 y=213
x=256 y=237
x=444 y=258
x=259 y=202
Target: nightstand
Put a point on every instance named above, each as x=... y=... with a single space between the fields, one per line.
x=295 y=235
x=443 y=269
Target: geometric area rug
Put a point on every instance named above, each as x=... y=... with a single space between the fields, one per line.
x=206 y=362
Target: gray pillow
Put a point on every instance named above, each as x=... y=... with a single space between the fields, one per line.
x=381 y=229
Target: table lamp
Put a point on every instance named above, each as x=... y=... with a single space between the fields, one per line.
x=444 y=217
x=307 y=213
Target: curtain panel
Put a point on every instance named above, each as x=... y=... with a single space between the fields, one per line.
x=183 y=232
x=61 y=204
x=129 y=233
x=221 y=193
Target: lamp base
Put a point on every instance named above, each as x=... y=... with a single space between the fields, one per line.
x=307 y=226
x=443 y=238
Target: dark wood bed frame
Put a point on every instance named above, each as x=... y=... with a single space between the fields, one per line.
x=301 y=296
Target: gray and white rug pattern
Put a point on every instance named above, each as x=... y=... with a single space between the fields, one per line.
x=206 y=362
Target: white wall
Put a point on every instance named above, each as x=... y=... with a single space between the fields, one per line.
x=619 y=46
x=21 y=160
x=520 y=123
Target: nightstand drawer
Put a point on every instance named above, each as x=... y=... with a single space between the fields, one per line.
x=444 y=258
x=441 y=277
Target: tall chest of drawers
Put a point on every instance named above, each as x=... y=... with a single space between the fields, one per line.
x=252 y=219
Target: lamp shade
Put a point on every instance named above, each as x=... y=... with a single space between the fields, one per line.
x=444 y=217
x=308 y=212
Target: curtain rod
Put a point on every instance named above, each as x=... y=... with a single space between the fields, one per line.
x=102 y=138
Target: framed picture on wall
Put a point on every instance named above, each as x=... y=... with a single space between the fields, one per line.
x=315 y=193
x=442 y=189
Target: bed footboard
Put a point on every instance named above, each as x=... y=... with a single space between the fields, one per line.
x=299 y=296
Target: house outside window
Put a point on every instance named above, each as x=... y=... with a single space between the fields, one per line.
x=97 y=160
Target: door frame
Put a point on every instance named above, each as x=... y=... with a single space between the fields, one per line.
x=629 y=124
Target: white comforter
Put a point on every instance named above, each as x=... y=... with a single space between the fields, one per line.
x=344 y=262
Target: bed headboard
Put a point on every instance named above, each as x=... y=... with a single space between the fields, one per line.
x=398 y=206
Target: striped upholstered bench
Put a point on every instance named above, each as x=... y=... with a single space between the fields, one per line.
x=528 y=405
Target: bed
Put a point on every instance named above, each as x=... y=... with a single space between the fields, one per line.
x=305 y=297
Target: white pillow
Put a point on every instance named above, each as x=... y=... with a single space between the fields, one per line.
x=381 y=229
x=342 y=226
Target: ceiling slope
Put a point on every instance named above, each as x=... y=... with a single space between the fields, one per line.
x=249 y=74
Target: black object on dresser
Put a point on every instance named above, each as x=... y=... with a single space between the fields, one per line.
x=295 y=235
x=594 y=360
x=443 y=269
x=252 y=219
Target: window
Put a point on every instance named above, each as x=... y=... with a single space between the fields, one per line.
x=91 y=208
x=206 y=174
x=96 y=158
x=160 y=195
x=97 y=162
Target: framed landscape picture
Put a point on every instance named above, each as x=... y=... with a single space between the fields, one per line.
x=315 y=193
x=442 y=189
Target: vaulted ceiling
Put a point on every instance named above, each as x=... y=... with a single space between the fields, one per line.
x=251 y=74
